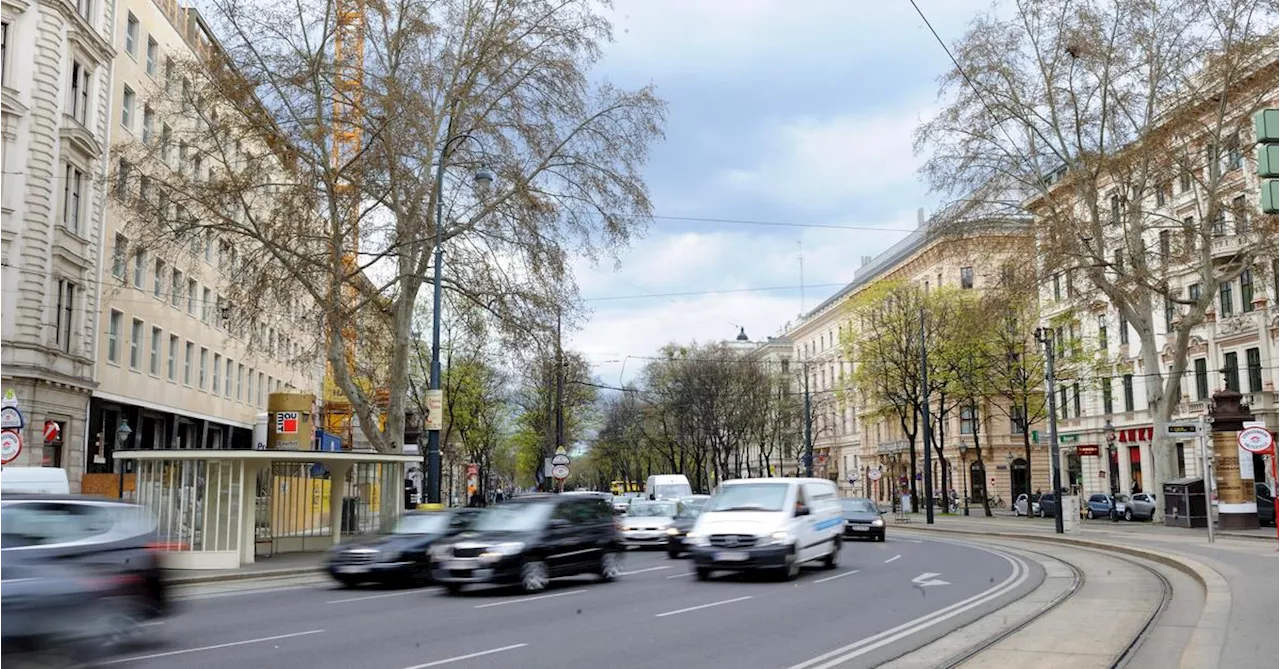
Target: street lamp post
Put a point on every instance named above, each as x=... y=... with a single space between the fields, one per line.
x=482 y=179
x=1045 y=337
x=123 y=432
x=1109 y=431
x=964 y=474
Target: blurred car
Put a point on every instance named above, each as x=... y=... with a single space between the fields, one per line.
x=1142 y=506
x=647 y=521
x=61 y=614
x=1266 y=504
x=529 y=541
x=401 y=556
x=1048 y=505
x=689 y=510
x=862 y=519
x=1098 y=506
x=115 y=539
x=621 y=503
x=1020 y=505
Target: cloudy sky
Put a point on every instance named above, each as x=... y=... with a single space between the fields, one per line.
x=788 y=111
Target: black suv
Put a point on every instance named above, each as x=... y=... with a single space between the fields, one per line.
x=529 y=541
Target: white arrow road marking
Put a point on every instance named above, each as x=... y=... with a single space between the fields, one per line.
x=927 y=579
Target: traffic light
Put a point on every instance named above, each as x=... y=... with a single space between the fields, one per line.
x=1266 y=128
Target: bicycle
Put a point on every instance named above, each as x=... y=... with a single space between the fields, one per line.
x=998 y=503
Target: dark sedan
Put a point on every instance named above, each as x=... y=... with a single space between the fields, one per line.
x=862 y=519
x=401 y=557
x=690 y=509
x=61 y=614
x=110 y=539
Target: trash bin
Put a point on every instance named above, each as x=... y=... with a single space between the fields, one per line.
x=1070 y=514
x=1184 y=503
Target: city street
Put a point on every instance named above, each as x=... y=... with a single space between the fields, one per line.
x=883 y=600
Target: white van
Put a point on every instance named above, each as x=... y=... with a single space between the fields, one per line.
x=34 y=480
x=668 y=486
x=775 y=524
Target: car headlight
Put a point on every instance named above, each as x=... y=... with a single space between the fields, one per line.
x=440 y=551
x=698 y=539
x=779 y=538
x=673 y=532
x=504 y=549
x=878 y=522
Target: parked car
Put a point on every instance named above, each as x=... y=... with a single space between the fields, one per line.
x=1098 y=506
x=1142 y=506
x=1266 y=504
x=1048 y=505
x=862 y=519
x=621 y=503
x=530 y=541
x=116 y=540
x=646 y=523
x=402 y=555
x=774 y=524
x=686 y=517
x=1020 y=505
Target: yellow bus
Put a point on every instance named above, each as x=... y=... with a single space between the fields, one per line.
x=622 y=487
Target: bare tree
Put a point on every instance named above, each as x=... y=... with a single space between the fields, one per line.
x=1085 y=114
x=271 y=167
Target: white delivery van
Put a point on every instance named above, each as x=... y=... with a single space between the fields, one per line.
x=34 y=480
x=774 y=524
x=667 y=486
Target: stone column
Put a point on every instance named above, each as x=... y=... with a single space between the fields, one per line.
x=1237 y=505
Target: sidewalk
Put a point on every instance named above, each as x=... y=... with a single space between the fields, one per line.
x=1263 y=533
x=1242 y=586
x=285 y=564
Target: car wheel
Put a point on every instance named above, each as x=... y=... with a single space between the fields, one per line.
x=1089 y=514
x=1128 y=514
x=832 y=560
x=533 y=576
x=453 y=588
x=674 y=555
x=610 y=567
x=702 y=574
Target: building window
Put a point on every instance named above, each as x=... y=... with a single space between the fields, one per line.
x=1184 y=181
x=1107 y=406
x=66 y=313
x=157 y=286
x=1102 y=333
x=262 y=389
x=168 y=74
x=113 y=336
x=239 y=382
x=968 y=420
x=966 y=277
x=217 y=370
x=1075 y=398
x=51 y=453
x=204 y=366
x=4 y=54
x=119 y=256
x=1234 y=158
x=131 y=36
x=126 y=109
x=1246 y=291
x=173 y=358
x=1166 y=245
x=226 y=385
x=1063 y=407
x=175 y=288
x=1127 y=381
x=208 y=246
x=206 y=306
x=1253 y=358
x=191 y=296
x=1017 y=421
x=154 y=367
x=1169 y=312
x=1231 y=370
x=1124 y=330
x=1193 y=291
x=1226 y=305
x=79 y=92
x=148 y=124
x=1117 y=261
x=248 y=393
x=153 y=54
x=135 y=345
x=1057 y=286
x=1202 y=378
x=187 y=356
x=73 y=190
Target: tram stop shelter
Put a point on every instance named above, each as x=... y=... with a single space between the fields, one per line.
x=222 y=509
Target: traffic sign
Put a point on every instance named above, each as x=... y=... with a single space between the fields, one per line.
x=10 y=446
x=559 y=472
x=873 y=474
x=560 y=459
x=1255 y=439
x=11 y=418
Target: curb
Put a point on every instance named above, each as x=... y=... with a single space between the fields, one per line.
x=242 y=576
x=1204 y=647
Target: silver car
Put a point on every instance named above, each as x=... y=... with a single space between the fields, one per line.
x=647 y=521
x=1020 y=506
x=1142 y=506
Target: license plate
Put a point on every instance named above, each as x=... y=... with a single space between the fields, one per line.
x=730 y=557
x=352 y=569
x=459 y=566
x=859 y=528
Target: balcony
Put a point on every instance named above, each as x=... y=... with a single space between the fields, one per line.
x=1228 y=245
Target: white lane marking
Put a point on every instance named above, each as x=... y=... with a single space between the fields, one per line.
x=151 y=623
x=892 y=559
x=246 y=592
x=385 y=595
x=702 y=606
x=687 y=573
x=171 y=653
x=832 y=578
x=529 y=599
x=641 y=571
x=841 y=655
x=460 y=658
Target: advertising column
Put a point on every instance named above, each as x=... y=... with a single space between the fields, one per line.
x=1237 y=506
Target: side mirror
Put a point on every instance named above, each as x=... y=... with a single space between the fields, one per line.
x=802 y=510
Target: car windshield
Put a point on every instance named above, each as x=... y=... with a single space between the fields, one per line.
x=671 y=491
x=652 y=510
x=513 y=517
x=422 y=523
x=691 y=508
x=750 y=497
x=859 y=506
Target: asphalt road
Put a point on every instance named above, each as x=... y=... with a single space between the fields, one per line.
x=884 y=600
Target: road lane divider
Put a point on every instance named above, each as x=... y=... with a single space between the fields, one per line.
x=535 y=598
x=840 y=575
x=843 y=654
x=687 y=573
x=641 y=571
x=415 y=591
x=231 y=644
x=469 y=656
x=702 y=606
x=892 y=559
